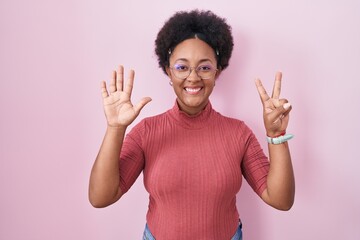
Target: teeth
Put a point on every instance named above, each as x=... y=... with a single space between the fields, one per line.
x=192 y=89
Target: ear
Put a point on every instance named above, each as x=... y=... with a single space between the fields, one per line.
x=218 y=73
x=168 y=72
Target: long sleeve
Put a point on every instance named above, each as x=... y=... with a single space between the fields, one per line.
x=131 y=159
x=255 y=165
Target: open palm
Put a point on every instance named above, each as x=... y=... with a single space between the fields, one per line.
x=118 y=108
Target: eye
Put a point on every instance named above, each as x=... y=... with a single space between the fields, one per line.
x=205 y=68
x=181 y=67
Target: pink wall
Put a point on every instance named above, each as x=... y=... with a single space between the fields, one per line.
x=53 y=55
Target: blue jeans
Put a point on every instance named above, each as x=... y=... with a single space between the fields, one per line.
x=149 y=236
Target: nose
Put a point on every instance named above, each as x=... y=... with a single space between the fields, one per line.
x=193 y=76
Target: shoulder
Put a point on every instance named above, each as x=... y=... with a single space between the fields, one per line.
x=149 y=122
x=156 y=117
x=148 y=128
x=231 y=122
x=154 y=120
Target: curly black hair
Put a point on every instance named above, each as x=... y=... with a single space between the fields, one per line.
x=204 y=25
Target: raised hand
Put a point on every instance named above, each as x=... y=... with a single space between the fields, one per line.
x=119 y=110
x=276 y=110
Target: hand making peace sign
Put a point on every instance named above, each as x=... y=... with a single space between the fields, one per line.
x=276 y=110
x=119 y=110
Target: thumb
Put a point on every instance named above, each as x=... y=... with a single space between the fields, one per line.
x=280 y=112
x=142 y=103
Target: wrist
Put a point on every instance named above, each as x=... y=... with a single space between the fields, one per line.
x=275 y=135
x=281 y=139
x=116 y=128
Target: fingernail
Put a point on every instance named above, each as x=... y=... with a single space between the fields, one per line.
x=287 y=106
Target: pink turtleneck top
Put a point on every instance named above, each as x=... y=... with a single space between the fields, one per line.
x=193 y=167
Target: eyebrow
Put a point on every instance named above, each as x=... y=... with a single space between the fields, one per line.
x=201 y=60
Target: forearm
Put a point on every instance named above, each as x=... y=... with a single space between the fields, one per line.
x=280 y=190
x=104 y=179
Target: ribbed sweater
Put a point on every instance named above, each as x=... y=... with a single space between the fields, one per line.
x=193 y=167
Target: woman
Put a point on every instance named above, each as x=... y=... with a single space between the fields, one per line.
x=192 y=157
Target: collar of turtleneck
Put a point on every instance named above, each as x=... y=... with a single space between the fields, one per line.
x=197 y=121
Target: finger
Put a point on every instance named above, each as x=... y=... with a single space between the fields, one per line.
x=282 y=102
x=261 y=90
x=286 y=116
x=130 y=82
x=112 y=85
x=279 y=113
x=120 y=78
x=287 y=110
x=278 y=103
x=142 y=103
x=104 y=92
x=277 y=86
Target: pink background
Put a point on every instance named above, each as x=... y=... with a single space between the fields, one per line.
x=53 y=55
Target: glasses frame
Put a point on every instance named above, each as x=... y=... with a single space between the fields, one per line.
x=191 y=70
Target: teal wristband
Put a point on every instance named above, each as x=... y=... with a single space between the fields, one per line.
x=279 y=140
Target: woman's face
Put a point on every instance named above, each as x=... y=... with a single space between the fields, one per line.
x=193 y=92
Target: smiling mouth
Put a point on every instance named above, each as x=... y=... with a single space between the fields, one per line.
x=192 y=90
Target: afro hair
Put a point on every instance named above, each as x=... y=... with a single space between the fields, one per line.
x=204 y=25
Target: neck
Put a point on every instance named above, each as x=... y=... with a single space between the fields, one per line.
x=192 y=111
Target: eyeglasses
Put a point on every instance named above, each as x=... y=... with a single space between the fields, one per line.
x=182 y=71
